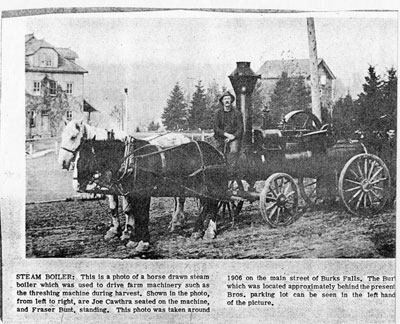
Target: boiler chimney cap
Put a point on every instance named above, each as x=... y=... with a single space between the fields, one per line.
x=243 y=69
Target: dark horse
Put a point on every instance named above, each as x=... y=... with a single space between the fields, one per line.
x=99 y=169
x=139 y=170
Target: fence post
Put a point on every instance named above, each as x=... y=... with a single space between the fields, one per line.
x=202 y=135
x=30 y=148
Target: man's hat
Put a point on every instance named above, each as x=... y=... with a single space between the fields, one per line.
x=227 y=94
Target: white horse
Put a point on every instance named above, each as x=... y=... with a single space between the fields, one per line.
x=77 y=131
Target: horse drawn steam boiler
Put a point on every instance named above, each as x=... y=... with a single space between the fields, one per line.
x=301 y=147
x=271 y=159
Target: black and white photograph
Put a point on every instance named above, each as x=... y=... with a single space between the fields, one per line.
x=237 y=136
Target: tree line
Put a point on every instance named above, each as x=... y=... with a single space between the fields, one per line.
x=193 y=115
x=373 y=111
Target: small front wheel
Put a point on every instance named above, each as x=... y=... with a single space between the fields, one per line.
x=279 y=200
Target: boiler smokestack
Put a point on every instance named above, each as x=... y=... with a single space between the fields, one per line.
x=243 y=81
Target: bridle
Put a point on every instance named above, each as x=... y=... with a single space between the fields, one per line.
x=71 y=151
x=84 y=135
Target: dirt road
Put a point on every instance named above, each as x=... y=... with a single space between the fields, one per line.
x=76 y=230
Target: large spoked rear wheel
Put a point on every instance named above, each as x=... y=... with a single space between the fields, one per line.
x=279 y=200
x=364 y=184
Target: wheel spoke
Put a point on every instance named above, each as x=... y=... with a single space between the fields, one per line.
x=376 y=195
x=366 y=168
x=276 y=186
x=352 y=181
x=352 y=189
x=370 y=198
x=311 y=184
x=365 y=201
x=289 y=205
x=359 y=169
x=278 y=212
x=359 y=200
x=273 y=212
x=287 y=188
x=271 y=206
x=272 y=190
x=354 y=173
x=376 y=173
x=354 y=196
x=290 y=194
x=378 y=180
x=372 y=169
x=282 y=186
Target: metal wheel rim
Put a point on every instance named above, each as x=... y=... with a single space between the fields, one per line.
x=279 y=200
x=364 y=185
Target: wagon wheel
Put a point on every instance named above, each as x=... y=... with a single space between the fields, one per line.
x=234 y=208
x=279 y=200
x=308 y=190
x=364 y=184
x=300 y=119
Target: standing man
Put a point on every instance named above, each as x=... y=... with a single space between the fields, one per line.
x=228 y=129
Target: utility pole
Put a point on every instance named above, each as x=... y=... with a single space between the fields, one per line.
x=125 y=115
x=312 y=46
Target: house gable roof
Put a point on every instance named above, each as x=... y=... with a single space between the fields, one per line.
x=33 y=45
x=67 y=53
x=66 y=57
x=273 y=69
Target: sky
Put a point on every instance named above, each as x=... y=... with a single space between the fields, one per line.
x=188 y=46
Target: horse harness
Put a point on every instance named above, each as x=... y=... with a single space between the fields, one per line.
x=130 y=167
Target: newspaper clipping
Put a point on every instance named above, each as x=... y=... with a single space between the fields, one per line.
x=176 y=165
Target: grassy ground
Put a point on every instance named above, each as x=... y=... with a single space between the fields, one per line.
x=42 y=144
x=45 y=180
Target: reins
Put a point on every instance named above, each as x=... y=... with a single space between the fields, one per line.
x=70 y=151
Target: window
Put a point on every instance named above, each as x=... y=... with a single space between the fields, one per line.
x=69 y=114
x=322 y=79
x=69 y=88
x=32 y=116
x=52 y=88
x=45 y=60
x=36 y=87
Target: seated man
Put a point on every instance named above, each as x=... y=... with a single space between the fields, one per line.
x=228 y=129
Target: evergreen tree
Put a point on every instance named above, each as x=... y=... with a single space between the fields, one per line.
x=389 y=92
x=197 y=111
x=289 y=94
x=370 y=103
x=175 y=114
x=343 y=117
x=212 y=104
x=300 y=94
x=258 y=105
x=280 y=101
